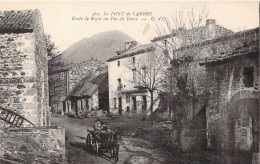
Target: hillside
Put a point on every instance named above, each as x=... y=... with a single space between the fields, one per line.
x=100 y=46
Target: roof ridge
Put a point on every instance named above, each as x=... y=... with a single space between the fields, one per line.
x=133 y=51
x=218 y=38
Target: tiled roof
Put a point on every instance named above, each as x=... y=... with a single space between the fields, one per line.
x=250 y=49
x=202 y=31
x=17 y=21
x=134 y=51
x=90 y=84
x=57 y=64
x=219 y=39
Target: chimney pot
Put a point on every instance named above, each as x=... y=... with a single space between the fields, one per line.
x=210 y=21
x=181 y=28
x=174 y=31
x=118 y=52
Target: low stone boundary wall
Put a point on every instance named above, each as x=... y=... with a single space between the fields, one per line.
x=52 y=138
x=192 y=139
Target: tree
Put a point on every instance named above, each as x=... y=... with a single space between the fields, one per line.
x=148 y=71
x=182 y=43
x=52 y=49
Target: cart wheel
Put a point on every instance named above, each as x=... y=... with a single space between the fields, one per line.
x=80 y=113
x=89 y=142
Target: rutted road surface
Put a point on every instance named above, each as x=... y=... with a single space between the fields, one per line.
x=132 y=150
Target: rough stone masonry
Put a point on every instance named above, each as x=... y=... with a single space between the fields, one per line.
x=24 y=77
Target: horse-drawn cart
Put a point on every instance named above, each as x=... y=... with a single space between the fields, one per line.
x=101 y=141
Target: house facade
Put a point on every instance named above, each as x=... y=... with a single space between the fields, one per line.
x=128 y=75
x=91 y=93
x=23 y=66
x=63 y=79
x=225 y=73
x=126 y=95
x=233 y=82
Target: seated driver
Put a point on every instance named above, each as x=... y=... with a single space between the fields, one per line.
x=98 y=126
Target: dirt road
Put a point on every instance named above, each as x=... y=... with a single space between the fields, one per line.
x=132 y=150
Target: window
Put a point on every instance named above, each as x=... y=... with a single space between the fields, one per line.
x=134 y=103
x=133 y=60
x=248 y=74
x=119 y=83
x=144 y=72
x=118 y=63
x=144 y=103
x=114 y=103
x=165 y=42
x=134 y=75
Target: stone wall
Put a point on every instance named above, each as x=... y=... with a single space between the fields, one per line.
x=41 y=73
x=216 y=84
x=216 y=48
x=52 y=138
x=58 y=90
x=63 y=78
x=193 y=139
x=232 y=105
x=18 y=86
x=78 y=71
x=23 y=73
x=33 y=144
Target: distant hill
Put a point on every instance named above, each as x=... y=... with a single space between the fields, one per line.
x=100 y=46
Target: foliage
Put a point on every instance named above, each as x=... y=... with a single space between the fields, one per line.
x=183 y=46
x=148 y=73
x=52 y=49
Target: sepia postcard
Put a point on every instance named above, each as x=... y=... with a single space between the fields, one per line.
x=129 y=82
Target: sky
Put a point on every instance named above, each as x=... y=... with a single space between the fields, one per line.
x=59 y=18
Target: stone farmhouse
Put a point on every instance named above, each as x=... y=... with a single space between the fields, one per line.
x=125 y=94
x=24 y=94
x=226 y=68
x=64 y=78
x=91 y=93
x=177 y=43
x=232 y=71
x=23 y=65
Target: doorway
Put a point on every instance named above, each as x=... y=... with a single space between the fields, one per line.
x=120 y=106
x=144 y=104
x=134 y=103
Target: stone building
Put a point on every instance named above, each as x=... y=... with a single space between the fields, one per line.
x=63 y=79
x=24 y=89
x=128 y=73
x=185 y=42
x=125 y=95
x=23 y=65
x=225 y=73
x=233 y=82
x=225 y=76
x=91 y=93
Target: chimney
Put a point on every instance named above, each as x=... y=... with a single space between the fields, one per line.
x=118 y=52
x=181 y=28
x=129 y=43
x=174 y=31
x=210 y=22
